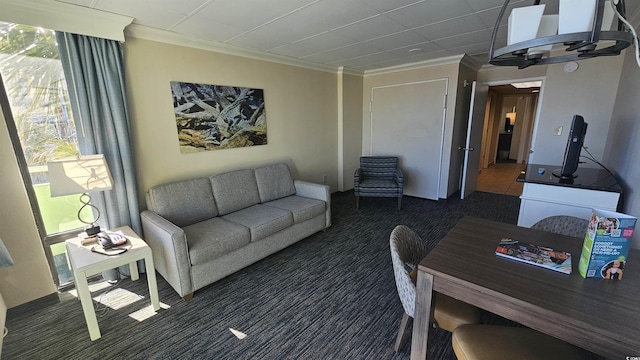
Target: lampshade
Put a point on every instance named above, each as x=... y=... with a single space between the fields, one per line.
x=583 y=27
x=5 y=257
x=79 y=175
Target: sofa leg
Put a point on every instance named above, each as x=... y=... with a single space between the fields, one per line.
x=357 y=202
x=399 y=203
x=187 y=297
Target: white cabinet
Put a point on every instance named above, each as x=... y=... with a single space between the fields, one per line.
x=540 y=201
x=544 y=195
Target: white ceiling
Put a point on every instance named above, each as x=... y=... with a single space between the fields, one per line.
x=356 y=34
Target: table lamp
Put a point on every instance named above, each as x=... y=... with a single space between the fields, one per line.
x=81 y=175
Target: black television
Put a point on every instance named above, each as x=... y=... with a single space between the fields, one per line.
x=572 y=151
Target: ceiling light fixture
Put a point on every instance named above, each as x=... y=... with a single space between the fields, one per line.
x=580 y=26
x=526 y=85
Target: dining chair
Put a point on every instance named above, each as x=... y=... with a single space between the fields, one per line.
x=378 y=176
x=564 y=225
x=494 y=342
x=407 y=250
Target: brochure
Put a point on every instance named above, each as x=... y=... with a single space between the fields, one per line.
x=535 y=255
x=606 y=245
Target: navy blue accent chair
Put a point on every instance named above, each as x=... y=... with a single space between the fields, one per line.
x=378 y=176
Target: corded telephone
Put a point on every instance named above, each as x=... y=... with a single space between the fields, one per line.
x=110 y=240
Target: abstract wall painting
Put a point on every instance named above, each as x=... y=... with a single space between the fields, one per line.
x=216 y=117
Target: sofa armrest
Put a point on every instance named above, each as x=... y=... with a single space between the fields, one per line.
x=315 y=191
x=168 y=245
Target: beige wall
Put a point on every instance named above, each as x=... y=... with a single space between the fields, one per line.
x=623 y=144
x=29 y=278
x=590 y=91
x=301 y=108
x=447 y=71
x=350 y=131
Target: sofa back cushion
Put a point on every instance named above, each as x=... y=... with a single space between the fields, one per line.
x=235 y=190
x=274 y=182
x=184 y=202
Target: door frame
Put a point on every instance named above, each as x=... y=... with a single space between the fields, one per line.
x=536 y=117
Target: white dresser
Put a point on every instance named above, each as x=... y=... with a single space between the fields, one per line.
x=545 y=195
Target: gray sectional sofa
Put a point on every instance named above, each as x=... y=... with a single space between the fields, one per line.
x=201 y=230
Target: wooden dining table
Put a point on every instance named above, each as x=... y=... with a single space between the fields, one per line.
x=599 y=315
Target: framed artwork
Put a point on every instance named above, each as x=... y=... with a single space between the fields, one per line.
x=216 y=117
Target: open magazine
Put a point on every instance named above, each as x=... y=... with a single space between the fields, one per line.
x=535 y=255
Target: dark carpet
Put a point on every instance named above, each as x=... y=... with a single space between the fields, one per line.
x=330 y=296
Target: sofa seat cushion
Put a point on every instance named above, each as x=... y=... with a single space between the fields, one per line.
x=261 y=220
x=213 y=238
x=379 y=188
x=302 y=208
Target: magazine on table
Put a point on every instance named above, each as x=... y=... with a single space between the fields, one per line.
x=535 y=255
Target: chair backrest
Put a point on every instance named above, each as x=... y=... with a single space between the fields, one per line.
x=564 y=225
x=407 y=250
x=383 y=167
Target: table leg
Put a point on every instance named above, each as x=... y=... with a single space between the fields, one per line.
x=133 y=270
x=87 y=305
x=151 y=279
x=423 y=315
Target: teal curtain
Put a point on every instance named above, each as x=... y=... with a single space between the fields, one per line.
x=94 y=70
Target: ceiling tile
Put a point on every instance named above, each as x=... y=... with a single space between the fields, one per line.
x=203 y=30
x=362 y=34
x=368 y=59
x=426 y=47
x=370 y=28
x=296 y=51
x=258 y=40
x=429 y=12
x=161 y=14
x=463 y=24
x=398 y=40
x=354 y=51
x=483 y=36
x=386 y=5
x=325 y=15
x=324 y=42
x=479 y=5
x=249 y=14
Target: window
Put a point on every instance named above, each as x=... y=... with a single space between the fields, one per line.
x=44 y=127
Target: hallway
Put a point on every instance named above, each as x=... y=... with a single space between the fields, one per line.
x=500 y=178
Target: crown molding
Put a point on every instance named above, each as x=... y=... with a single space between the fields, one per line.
x=60 y=16
x=470 y=62
x=456 y=59
x=168 y=37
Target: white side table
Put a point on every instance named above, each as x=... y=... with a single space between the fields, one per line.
x=85 y=263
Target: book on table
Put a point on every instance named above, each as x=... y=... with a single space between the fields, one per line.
x=535 y=255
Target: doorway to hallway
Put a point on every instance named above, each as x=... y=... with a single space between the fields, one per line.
x=500 y=178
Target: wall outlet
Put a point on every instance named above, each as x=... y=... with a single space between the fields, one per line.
x=324 y=179
x=558 y=131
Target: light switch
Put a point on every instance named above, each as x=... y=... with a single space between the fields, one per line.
x=558 y=131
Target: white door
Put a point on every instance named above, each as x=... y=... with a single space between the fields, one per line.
x=407 y=120
x=473 y=145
